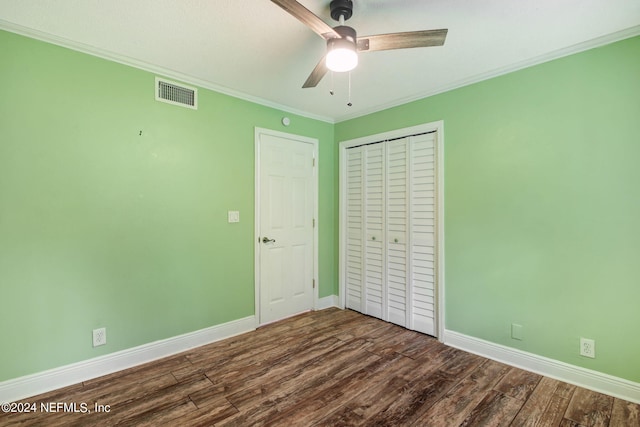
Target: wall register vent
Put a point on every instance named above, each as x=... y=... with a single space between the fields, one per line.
x=176 y=93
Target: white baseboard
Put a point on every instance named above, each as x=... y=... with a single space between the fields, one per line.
x=42 y=382
x=327 y=302
x=592 y=380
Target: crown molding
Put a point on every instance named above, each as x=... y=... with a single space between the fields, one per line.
x=132 y=62
x=145 y=66
x=550 y=56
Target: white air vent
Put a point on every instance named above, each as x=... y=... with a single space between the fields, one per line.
x=176 y=93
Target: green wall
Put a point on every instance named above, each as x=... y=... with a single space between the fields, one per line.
x=542 y=204
x=101 y=226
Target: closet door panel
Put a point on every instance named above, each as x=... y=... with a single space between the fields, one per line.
x=374 y=220
x=397 y=228
x=354 y=267
x=422 y=231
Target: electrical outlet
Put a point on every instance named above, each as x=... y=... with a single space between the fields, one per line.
x=99 y=337
x=587 y=348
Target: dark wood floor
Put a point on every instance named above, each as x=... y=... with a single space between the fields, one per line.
x=330 y=368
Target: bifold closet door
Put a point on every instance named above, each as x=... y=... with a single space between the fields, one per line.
x=374 y=230
x=365 y=230
x=397 y=215
x=354 y=229
x=390 y=231
x=422 y=221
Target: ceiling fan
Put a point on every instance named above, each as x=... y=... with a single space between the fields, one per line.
x=342 y=43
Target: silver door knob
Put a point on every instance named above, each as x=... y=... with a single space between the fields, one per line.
x=268 y=240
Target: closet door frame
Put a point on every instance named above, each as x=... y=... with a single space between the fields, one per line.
x=438 y=128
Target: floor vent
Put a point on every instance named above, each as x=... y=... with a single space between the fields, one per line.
x=176 y=93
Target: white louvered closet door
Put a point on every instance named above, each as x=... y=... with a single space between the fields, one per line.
x=390 y=231
x=397 y=207
x=374 y=236
x=422 y=233
x=353 y=251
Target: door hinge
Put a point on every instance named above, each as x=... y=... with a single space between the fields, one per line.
x=313 y=223
x=314 y=283
x=313 y=163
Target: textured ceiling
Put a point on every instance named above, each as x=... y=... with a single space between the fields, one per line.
x=253 y=49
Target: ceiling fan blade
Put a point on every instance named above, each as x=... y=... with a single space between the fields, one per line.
x=308 y=18
x=317 y=74
x=402 y=40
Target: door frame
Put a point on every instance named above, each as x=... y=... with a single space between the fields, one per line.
x=301 y=139
x=438 y=127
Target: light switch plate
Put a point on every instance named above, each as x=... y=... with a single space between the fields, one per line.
x=234 y=216
x=516 y=332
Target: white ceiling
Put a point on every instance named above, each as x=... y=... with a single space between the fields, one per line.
x=255 y=50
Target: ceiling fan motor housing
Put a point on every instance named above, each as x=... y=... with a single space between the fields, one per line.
x=348 y=37
x=341 y=8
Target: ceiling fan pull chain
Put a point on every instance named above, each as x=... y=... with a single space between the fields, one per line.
x=331 y=90
x=349 y=96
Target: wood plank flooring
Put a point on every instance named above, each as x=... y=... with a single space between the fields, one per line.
x=327 y=368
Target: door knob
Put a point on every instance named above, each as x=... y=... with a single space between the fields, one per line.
x=268 y=240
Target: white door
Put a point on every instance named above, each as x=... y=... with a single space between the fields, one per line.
x=285 y=224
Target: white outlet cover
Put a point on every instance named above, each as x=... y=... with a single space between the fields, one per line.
x=587 y=348
x=99 y=337
x=234 y=216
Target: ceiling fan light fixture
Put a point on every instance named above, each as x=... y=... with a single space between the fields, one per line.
x=342 y=59
x=341 y=52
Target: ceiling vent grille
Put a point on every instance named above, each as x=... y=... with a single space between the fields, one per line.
x=176 y=93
